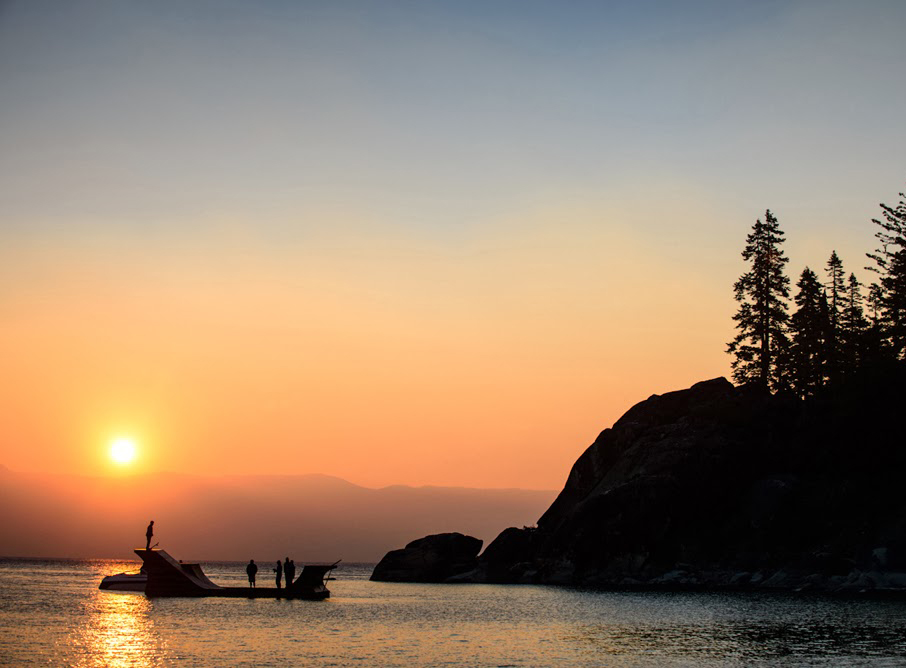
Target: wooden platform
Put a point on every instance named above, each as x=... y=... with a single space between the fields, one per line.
x=168 y=577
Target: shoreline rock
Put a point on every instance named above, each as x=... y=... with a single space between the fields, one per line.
x=435 y=558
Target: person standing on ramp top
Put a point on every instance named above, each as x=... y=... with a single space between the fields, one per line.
x=148 y=533
x=289 y=572
x=251 y=570
x=279 y=572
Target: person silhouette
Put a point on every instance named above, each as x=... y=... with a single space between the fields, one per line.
x=148 y=533
x=279 y=572
x=289 y=572
x=251 y=570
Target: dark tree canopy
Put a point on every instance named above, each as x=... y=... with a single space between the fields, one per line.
x=890 y=264
x=836 y=332
x=761 y=319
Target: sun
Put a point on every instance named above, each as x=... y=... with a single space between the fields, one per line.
x=123 y=450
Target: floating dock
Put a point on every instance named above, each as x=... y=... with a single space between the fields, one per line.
x=168 y=577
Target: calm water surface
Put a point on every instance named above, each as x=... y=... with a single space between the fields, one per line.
x=52 y=613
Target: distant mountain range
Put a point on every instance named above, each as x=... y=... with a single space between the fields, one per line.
x=306 y=517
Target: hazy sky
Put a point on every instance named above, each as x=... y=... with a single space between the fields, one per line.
x=408 y=242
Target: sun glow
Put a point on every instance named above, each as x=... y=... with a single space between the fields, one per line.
x=122 y=450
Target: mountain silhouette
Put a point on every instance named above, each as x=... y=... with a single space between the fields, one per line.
x=309 y=517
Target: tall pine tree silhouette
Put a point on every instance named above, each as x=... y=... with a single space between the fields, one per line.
x=806 y=366
x=890 y=263
x=762 y=315
x=836 y=289
x=855 y=343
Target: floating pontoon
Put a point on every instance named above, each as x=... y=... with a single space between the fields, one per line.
x=168 y=577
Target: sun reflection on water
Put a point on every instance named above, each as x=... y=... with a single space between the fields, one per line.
x=52 y=613
x=118 y=632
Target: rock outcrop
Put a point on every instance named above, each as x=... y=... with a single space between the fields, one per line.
x=724 y=487
x=435 y=558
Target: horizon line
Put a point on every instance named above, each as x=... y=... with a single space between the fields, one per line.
x=127 y=475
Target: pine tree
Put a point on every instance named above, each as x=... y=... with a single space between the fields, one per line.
x=836 y=285
x=809 y=334
x=836 y=288
x=875 y=346
x=853 y=327
x=762 y=315
x=890 y=261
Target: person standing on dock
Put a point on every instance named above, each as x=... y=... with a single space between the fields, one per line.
x=251 y=570
x=279 y=572
x=149 y=532
x=289 y=572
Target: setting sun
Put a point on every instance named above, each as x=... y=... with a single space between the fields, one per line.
x=122 y=450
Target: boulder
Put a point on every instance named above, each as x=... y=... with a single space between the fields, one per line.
x=435 y=558
x=504 y=560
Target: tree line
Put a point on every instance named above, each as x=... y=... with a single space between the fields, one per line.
x=838 y=326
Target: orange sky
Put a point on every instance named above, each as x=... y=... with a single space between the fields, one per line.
x=440 y=243
x=393 y=361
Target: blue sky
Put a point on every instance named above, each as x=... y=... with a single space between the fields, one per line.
x=439 y=113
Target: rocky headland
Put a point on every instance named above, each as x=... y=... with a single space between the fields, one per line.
x=724 y=487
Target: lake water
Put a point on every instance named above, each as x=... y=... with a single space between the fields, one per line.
x=52 y=613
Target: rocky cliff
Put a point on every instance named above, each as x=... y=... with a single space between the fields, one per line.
x=724 y=487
